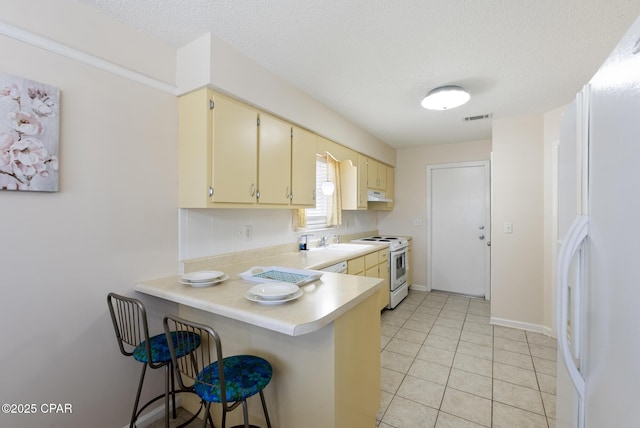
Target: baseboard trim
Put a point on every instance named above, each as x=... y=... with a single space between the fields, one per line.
x=537 y=328
x=549 y=332
x=153 y=415
x=419 y=287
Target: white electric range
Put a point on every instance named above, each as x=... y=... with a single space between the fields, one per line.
x=398 y=265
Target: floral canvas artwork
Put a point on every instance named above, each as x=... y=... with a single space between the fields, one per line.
x=29 y=129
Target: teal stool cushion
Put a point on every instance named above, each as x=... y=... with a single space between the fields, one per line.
x=244 y=376
x=183 y=342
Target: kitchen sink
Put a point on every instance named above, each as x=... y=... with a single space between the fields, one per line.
x=342 y=248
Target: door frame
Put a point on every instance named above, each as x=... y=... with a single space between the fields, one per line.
x=487 y=185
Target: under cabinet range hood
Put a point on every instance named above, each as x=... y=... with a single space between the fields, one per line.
x=377 y=196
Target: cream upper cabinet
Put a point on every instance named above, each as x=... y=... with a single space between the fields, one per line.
x=303 y=167
x=232 y=155
x=376 y=175
x=274 y=176
x=389 y=192
x=218 y=158
x=353 y=180
x=235 y=158
x=390 y=187
x=338 y=151
x=362 y=182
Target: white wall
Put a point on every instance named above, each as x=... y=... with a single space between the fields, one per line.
x=112 y=223
x=551 y=136
x=206 y=232
x=210 y=61
x=410 y=199
x=517 y=265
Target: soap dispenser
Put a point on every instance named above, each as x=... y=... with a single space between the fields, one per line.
x=304 y=242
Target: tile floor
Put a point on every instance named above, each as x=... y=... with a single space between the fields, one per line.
x=445 y=366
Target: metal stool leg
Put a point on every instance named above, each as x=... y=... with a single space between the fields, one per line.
x=245 y=413
x=173 y=389
x=207 y=416
x=264 y=407
x=135 y=406
x=166 y=396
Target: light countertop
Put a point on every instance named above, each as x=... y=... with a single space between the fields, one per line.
x=323 y=300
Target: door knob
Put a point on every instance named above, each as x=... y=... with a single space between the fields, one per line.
x=481 y=237
x=488 y=243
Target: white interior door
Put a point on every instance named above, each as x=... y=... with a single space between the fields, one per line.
x=459 y=232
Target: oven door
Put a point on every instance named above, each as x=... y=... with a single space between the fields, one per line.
x=397 y=268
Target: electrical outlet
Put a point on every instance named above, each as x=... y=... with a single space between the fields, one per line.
x=508 y=227
x=416 y=222
x=247 y=232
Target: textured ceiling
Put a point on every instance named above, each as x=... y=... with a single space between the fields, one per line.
x=373 y=60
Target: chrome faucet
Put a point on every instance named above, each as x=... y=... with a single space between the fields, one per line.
x=323 y=241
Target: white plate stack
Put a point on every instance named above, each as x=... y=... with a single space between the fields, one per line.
x=203 y=278
x=274 y=292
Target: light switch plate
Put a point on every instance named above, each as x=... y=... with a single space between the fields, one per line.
x=247 y=232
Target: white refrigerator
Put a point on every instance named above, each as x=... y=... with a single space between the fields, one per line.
x=598 y=280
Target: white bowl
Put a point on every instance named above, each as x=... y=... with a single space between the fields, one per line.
x=202 y=276
x=274 y=290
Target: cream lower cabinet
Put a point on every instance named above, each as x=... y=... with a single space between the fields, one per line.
x=373 y=265
x=377 y=266
x=356 y=266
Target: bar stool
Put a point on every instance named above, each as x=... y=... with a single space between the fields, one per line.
x=132 y=331
x=229 y=381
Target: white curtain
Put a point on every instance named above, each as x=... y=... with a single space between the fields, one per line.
x=334 y=205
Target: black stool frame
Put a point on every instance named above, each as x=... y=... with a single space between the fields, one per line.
x=129 y=318
x=204 y=357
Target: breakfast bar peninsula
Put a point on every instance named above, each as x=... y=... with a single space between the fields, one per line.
x=324 y=346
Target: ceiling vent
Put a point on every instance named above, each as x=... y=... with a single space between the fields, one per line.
x=478 y=117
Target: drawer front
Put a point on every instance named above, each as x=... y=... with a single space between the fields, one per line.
x=355 y=266
x=370 y=260
x=383 y=256
x=371 y=272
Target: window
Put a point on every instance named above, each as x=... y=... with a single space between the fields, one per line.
x=317 y=217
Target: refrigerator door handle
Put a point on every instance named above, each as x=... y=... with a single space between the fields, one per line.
x=575 y=237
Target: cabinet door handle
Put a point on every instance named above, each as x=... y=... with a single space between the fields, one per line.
x=252 y=190
x=210 y=191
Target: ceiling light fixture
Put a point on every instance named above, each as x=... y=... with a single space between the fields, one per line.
x=445 y=98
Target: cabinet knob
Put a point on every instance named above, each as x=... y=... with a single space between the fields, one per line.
x=210 y=191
